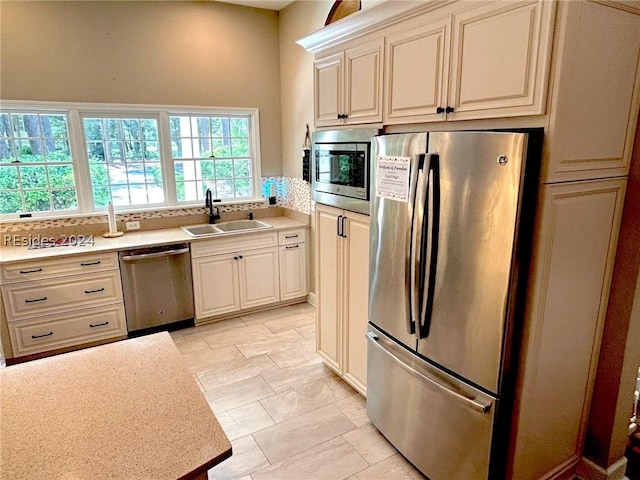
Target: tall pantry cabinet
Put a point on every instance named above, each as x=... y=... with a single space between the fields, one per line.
x=342 y=268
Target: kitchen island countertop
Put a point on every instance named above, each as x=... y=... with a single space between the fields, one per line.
x=129 y=409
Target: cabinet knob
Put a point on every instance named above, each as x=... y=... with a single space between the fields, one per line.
x=449 y=109
x=440 y=110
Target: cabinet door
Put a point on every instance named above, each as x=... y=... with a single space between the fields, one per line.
x=417 y=64
x=596 y=93
x=356 y=292
x=293 y=271
x=215 y=285
x=568 y=294
x=329 y=291
x=259 y=277
x=363 y=83
x=500 y=60
x=327 y=79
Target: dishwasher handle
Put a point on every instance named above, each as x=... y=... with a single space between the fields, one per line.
x=144 y=256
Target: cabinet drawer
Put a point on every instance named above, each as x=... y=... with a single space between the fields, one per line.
x=233 y=243
x=44 y=297
x=287 y=237
x=83 y=326
x=57 y=267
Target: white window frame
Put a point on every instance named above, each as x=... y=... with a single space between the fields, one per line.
x=77 y=111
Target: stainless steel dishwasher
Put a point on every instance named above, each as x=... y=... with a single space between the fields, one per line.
x=157 y=286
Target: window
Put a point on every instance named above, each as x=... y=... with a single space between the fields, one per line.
x=211 y=152
x=124 y=160
x=36 y=167
x=58 y=159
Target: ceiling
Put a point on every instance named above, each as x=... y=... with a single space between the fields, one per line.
x=268 y=4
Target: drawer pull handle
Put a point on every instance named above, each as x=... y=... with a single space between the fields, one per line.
x=291 y=236
x=94 y=325
x=43 y=335
x=31 y=271
x=90 y=263
x=36 y=300
x=95 y=291
x=293 y=246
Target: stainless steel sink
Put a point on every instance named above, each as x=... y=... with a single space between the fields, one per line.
x=232 y=226
x=241 y=225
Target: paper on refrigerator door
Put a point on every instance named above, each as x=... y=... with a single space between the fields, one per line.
x=392 y=177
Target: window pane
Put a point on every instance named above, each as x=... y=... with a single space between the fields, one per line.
x=224 y=169
x=225 y=138
x=37 y=201
x=58 y=150
x=224 y=189
x=240 y=147
x=101 y=196
x=118 y=169
x=151 y=151
x=93 y=129
x=61 y=176
x=9 y=178
x=10 y=202
x=64 y=199
x=243 y=187
x=240 y=127
x=33 y=177
x=242 y=168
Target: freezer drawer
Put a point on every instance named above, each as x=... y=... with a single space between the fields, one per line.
x=442 y=426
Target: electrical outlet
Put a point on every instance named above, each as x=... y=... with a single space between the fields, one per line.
x=133 y=225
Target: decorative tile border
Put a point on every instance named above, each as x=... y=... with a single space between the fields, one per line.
x=292 y=193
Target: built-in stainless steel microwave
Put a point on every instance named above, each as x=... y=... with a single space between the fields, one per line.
x=340 y=172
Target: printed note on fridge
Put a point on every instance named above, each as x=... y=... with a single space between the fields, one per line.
x=392 y=177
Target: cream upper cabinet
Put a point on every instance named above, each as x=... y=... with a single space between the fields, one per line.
x=417 y=71
x=348 y=86
x=595 y=97
x=488 y=61
x=342 y=266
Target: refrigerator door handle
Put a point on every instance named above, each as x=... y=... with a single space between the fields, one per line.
x=412 y=243
x=431 y=245
x=475 y=405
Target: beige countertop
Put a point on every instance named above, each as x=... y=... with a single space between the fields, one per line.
x=126 y=410
x=128 y=240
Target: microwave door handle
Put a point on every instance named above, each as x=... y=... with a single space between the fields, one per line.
x=415 y=181
x=430 y=247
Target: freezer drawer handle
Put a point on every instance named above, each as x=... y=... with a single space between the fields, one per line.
x=477 y=406
x=133 y=258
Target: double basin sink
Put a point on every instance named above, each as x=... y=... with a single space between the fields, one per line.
x=232 y=226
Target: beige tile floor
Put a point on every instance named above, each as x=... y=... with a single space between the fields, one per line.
x=287 y=415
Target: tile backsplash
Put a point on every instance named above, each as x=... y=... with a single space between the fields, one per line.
x=291 y=193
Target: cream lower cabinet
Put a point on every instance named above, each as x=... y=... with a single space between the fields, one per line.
x=232 y=281
x=63 y=302
x=570 y=277
x=293 y=264
x=342 y=266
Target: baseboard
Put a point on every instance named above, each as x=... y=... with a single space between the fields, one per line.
x=311 y=298
x=587 y=470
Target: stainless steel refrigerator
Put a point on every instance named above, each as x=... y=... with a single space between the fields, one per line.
x=446 y=285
